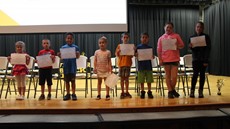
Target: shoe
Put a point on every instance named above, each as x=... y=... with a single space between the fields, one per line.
x=122 y=96
x=150 y=94
x=107 y=97
x=49 y=97
x=42 y=97
x=20 y=97
x=74 y=97
x=67 y=97
x=142 y=94
x=128 y=95
x=201 y=95
x=98 y=97
x=176 y=94
x=170 y=95
x=192 y=94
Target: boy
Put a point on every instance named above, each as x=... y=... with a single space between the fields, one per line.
x=145 y=68
x=124 y=64
x=45 y=73
x=70 y=68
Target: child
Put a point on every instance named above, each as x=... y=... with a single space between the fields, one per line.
x=170 y=58
x=45 y=73
x=145 y=68
x=200 y=58
x=20 y=70
x=70 y=68
x=124 y=64
x=102 y=65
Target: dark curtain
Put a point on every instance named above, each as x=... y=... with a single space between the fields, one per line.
x=141 y=18
x=217 y=25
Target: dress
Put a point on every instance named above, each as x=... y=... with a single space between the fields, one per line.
x=20 y=69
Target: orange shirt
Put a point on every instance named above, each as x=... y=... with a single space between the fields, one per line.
x=123 y=60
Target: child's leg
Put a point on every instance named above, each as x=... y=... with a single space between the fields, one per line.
x=23 y=81
x=149 y=86
x=99 y=81
x=107 y=88
x=49 y=89
x=122 y=84
x=127 y=84
x=67 y=87
x=42 y=89
x=174 y=72
x=142 y=86
x=73 y=86
x=18 y=80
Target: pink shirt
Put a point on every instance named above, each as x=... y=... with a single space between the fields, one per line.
x=102 y=60
x=169 y=55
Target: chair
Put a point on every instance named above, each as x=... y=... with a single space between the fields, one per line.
x=188 y=70
x=157 y=75
x=31 y=74
x=133 y=74
x=82 y=73
x=3 y=72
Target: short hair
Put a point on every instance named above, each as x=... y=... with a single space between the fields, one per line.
x=169 y=23
x=144 y=33
x=69 y=33
x=201 y=23
x=103 y=38
x=123 y=34
x=21 y=43
x=48 y=41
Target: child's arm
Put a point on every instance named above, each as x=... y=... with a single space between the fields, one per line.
x=110 y=65
x=77 y=54
x=95 y=64
x=118 y=50
x=27 y=59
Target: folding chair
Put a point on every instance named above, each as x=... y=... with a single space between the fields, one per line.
x=3 y=72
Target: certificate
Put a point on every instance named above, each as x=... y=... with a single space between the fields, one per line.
x=68 y=53
x=169 y=44
x=44 y=61
x=17 y=58
x=198 y=41
x=145 y=54
x=127 y=49
x=111 y=80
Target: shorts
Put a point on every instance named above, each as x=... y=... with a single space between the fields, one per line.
x=145 y=76
x=102 y=74
x=124 y=71
x=69 y=77
x=45 y=75
x=171 y=63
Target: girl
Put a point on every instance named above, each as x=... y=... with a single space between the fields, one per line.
x=20 y=70
x=170 y=58
x=102 y=65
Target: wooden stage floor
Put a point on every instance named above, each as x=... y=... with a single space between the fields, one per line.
x=116 y=105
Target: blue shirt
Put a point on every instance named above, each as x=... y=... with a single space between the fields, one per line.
x=70 y=65
x=144 y=65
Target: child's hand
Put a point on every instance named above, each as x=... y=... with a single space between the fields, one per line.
x=77 y=54
x=9 y=58
x=59 y=54
x=27 y=59
x=95 y=71
x=53 y=58
x=190 y=45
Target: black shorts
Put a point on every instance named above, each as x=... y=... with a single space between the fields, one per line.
x=69 y=77
x=171 y=63
x=45 y=75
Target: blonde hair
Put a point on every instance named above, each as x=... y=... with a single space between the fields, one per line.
x=103 y=38
x=21 y=43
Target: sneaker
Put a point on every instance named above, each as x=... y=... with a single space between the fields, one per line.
x=107 y=97
x=74 y=97
x=20 y=97
x=98 y=97
x=170 y=95
x=122 y=96
x=67 y=97
x=128 y=95
x=150 y=94
x=201 y=95
x=142 y=94
x=175 y=94
x=49 y=97
x=42 y=97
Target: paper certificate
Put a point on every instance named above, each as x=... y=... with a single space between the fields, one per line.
x=44 y=61
x=169 y=44
x=127 y=49
x=18 y=58
x=111 y=80
x=198 y=41
x=67 y=53
x=145 y=54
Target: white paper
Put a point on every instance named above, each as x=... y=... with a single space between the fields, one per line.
x=127 y=49
x=111 y=80
x=17 y=58
x=169 y=44
x=44 y=61
x=68 y=53
x=198 y=41
x=145 y=54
